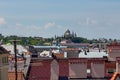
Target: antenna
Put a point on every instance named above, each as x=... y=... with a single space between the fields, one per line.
x=15 y=51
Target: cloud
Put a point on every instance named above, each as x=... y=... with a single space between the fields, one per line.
x=18 y=24
x=49 y=25
x=54 y=26
x=2 y=21
x=21 y=29
x=45 y=30
x=94 y=22
x=22 y=26
x=88 y=21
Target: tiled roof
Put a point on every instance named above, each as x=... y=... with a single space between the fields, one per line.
x=11 y=75
x=110 y=64
x=3 y=50
x=58 y=55
x=114 y=46
x=76 y=44
x=11 y=48
x=63 y=68
x=78 y=60
x=40 y=71
x=41 y=68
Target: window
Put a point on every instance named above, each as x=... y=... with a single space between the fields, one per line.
x=110 y=71
x=4 y=60
x=88 y=71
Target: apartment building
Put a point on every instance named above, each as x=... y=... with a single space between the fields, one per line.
x=3 y=64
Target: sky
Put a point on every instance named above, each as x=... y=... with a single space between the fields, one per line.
x=47 y=18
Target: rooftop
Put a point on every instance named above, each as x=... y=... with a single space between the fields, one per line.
x=10 y=48
x=93 y=54
x=3 y=50
x=22 y=66
x=50 y=46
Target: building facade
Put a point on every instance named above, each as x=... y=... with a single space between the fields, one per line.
x=3 y=64
x=74 y=67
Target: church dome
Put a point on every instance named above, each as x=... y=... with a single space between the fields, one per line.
x=67 y=33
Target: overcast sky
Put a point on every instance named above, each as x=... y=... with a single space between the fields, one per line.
x=47 y=18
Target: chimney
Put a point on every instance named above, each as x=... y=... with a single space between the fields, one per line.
x=85 y=52
x=118 y=64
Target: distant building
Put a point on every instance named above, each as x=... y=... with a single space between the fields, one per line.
x=66 y=41
x=69 y=35
x=36 y=50
x=76 y=45
x=3 y=64
x=114 y=51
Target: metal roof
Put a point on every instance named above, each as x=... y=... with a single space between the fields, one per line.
x=50 y=46
x=92 y=55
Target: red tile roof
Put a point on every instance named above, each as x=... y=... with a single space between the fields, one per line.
x=63 y=68
x=59 y=55
x=110 y=64
x=11 y=75
x=113 y=46
x=72 y=49
x=78 y=60
x=40 y=71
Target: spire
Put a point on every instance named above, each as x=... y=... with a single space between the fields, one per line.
x=73 y=34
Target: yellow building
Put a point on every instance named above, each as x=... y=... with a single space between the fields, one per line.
x=3 y=64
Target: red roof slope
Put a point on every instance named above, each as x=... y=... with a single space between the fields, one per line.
x=40 y=71
x=63 y=68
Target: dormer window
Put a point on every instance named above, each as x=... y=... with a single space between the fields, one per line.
x=4 y=60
